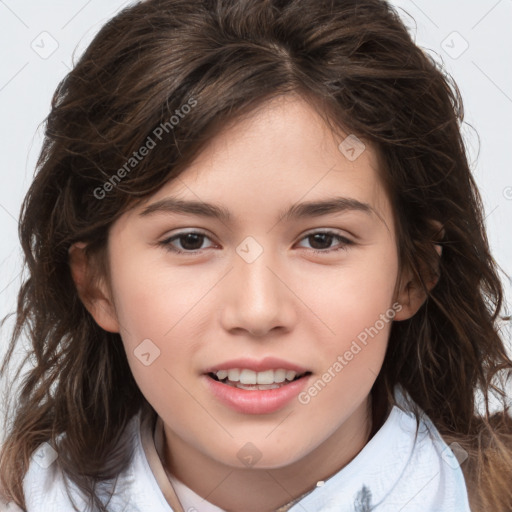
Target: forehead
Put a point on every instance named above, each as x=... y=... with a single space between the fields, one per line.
x=279 y=154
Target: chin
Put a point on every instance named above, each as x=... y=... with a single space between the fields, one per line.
x=261 y=454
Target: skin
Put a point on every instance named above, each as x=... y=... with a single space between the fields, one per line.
x=294 y=302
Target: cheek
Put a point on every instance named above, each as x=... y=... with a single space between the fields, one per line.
x=359 y=313
x=352 y=297
x=161 y=322
x=356 y=306
x=153 y=302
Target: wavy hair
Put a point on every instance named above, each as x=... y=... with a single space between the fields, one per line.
x=355 y=61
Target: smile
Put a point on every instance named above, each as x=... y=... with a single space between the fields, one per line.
x=250 y=386
x=244 y=378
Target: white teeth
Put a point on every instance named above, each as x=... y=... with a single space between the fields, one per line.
x=250 y=377
x=252 y=387
x=290 y=375
x=279 y=376
x=222 y=374
x=234 y=375
x=266 y=377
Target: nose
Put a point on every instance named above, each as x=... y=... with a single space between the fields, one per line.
x=258 y=299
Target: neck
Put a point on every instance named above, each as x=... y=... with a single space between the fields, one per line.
x=267 y=489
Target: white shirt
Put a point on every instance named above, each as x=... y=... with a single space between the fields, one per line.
x=394 y=472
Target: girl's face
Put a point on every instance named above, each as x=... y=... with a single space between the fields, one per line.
x=289 y=265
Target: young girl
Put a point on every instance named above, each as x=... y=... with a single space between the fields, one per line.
x=332 y=342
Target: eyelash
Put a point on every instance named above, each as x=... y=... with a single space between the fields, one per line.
x=341 y=239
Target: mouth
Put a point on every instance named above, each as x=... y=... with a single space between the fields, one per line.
x=250 y=380
x=256 y=386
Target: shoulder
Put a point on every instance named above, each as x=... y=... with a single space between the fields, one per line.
x=431 y=477
x=44 y=485
x=405 y=466
x=47 y=488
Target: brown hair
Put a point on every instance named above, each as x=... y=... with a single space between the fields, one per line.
x=355 y=61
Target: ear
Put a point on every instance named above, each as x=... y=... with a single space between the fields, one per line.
x=92 y=288
x=411 y=294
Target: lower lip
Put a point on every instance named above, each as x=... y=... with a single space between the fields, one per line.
x=256 y=401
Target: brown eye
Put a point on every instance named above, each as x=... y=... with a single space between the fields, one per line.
x=191 y=242
x=322 y=241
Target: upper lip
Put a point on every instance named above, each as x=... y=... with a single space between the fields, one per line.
x=261 y=365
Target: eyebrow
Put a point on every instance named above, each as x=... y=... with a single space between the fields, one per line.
x=325 y=207
x=296 y=211
x=174 y=205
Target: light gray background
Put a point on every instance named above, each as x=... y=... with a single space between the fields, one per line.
x=38 y=40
